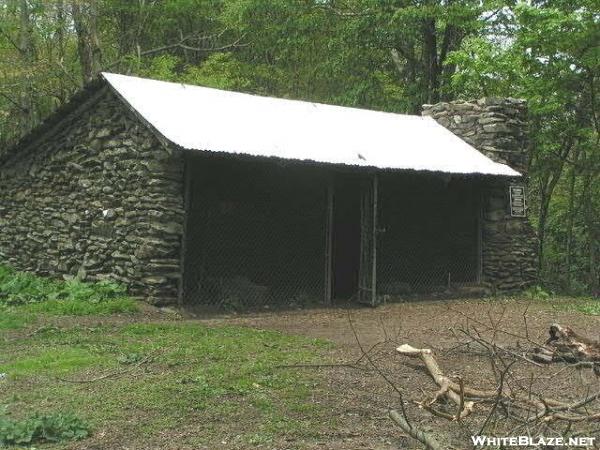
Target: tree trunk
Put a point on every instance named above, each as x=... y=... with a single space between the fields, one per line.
x=571 y=213
x=88 y=47
x=432 y=69
x=27 y=54
x=593 y=233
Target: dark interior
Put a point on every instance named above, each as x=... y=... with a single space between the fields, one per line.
x=255 y=233
x=345 y=237
x=428 y=236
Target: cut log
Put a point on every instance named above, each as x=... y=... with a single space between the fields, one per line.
x=570 y=346
x=564 y=345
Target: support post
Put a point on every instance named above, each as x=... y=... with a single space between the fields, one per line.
x=480 y=204
x=329 y=243
x=374 y=241
x=186 y=212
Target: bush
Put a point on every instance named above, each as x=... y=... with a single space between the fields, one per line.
x=42 y=428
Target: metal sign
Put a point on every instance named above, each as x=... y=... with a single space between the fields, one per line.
x=517 y=201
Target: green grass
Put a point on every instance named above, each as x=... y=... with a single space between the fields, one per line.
x=81 y=307
x=11 y=318
x=585 y=305
x=155 y=378
x=143 y=380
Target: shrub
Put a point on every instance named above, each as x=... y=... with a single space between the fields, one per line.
x=42 y=428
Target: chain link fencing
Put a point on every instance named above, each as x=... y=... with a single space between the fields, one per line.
x=255 y=235
x=428 y=235
x=265 y=235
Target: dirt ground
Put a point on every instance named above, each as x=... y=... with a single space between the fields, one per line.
x=359 y=397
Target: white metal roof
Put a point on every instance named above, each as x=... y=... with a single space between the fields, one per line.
x=205 y=119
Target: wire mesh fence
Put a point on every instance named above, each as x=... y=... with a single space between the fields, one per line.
x=263 y=235
x=255 y=236
x=428 y=240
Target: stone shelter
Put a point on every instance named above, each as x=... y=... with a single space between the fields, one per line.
x=200 y=196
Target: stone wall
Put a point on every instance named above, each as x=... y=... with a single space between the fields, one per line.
x=99 y=196
x=497 y=128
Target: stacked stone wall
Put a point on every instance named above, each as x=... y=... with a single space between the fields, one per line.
x=497 y=128
x=99 y=197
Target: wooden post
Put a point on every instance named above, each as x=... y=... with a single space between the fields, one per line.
x=186 y=212
x=374 y=241
x=329 y=243
x=480 y=203
x=367 y=285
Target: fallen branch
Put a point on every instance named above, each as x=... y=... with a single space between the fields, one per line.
x=545 y=410
x=424 y=438
x=453 y=391
x=117 y=373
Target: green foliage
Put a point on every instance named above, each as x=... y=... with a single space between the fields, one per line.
x=37 y=295
x=537 y=293
x=40 y=429
x=544 y=52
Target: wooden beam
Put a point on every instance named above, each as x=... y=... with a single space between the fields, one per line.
x=329 y=242
x=184 y=237
x=374 y=241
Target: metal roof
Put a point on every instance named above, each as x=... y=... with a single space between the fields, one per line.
x=206 y=119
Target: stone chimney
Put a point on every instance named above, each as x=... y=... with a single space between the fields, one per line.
x=497 y=127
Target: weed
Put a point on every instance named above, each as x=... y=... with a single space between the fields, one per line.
x=537 y=293
x=42 y=428
x=10 y=319
x=32 y=295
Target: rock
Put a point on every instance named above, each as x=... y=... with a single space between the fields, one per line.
x=78 y=201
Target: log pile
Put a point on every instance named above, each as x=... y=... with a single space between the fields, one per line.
x=454 y=400
x=565 y=345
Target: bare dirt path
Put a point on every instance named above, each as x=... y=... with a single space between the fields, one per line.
x=426 y=323
x=360 y=400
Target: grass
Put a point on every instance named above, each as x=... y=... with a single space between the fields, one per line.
x=585 y=305
x=154 y=378
x=141 y=381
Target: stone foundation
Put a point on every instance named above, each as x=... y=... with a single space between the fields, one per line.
x=497 y=128
x=98 y=196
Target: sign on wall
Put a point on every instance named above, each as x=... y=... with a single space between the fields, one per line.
x=517 y=201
